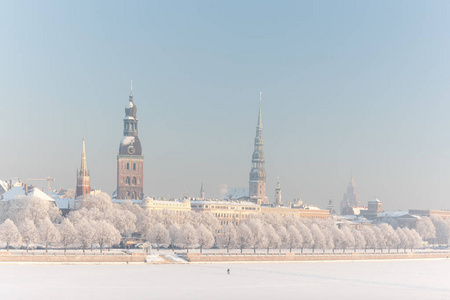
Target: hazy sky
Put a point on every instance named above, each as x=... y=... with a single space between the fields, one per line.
x=346 y=85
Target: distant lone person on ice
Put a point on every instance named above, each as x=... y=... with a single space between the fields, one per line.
x=228 y=271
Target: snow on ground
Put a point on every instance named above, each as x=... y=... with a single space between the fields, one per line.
x=418 y=279
x=154 y=258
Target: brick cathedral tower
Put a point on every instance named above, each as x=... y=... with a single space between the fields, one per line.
x=130 y=161
x=257 y=183
x=83 y=176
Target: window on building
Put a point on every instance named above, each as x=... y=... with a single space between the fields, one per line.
x=128 y=166
x=128 y=181
x=134 y=180
x=134 y=166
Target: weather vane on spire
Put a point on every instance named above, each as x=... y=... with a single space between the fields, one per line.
x=131 y=91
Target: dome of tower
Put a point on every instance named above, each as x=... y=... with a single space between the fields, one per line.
x=130 y=145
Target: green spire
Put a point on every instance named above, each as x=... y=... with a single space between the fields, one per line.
x=202 y=192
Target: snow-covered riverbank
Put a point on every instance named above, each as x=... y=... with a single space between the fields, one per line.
x=337 y=280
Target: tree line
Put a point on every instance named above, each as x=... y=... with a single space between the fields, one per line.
x=100 y=223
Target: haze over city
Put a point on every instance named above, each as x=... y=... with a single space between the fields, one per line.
x=346 y=86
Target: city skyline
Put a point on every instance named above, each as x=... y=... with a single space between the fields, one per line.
x=331 y=102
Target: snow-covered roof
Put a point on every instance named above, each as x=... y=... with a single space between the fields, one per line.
x=128 y=118
x=65 y=203
x=20 y=191
x=13 y=193
x=392 y=214
x=122 y=200
x=214 y=202
x=127 y=140
x=311 y=207
x=3 y=186
x=236 y=193
x=35 y=192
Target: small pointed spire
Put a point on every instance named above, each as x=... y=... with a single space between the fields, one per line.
x=83 y=170
x=131 y=94
x=260 y=115
x=202 y=192
x=84 y=147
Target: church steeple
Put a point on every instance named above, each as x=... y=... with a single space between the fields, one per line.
x=202 y=192
x=83 y=169
x=257 y=183
x=351 y=198
x=130 y=161
x=259 y=125
x=131 y=92
x=83 y=176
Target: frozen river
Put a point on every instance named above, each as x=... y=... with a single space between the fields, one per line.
x=421 y=279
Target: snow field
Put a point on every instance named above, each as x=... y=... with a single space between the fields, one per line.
x=331 y=280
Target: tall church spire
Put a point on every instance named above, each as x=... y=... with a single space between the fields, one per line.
x=202 y=192
x=83 y=176
x=260 y=115
x=351 y=198
x=83 y=170
x=257 y=183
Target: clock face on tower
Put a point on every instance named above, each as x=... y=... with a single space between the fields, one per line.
x=130 y=149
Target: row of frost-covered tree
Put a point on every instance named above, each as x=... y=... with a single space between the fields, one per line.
x=100 y=223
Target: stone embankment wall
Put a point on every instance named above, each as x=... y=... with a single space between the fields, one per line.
x=72 y=257
x=197 y=257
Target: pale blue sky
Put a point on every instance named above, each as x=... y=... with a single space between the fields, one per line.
x=346 y=85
